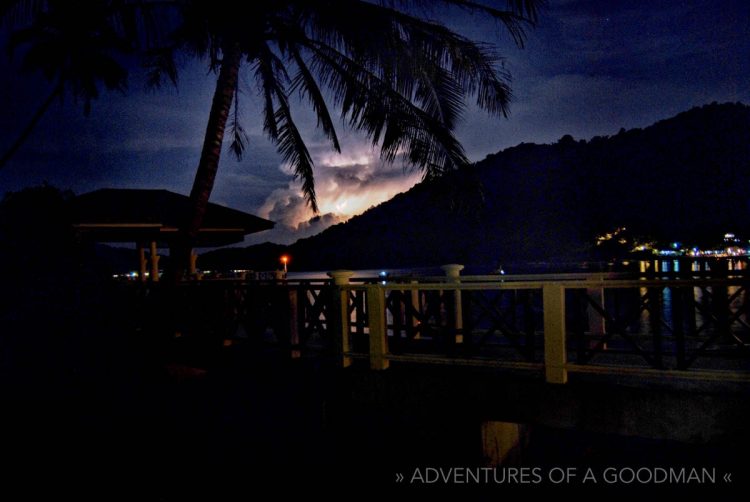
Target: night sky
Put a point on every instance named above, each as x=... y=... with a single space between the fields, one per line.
x=590 y=68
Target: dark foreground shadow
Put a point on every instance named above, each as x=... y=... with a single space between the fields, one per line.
x=93 y=408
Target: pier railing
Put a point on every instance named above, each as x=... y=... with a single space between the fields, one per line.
x=697 y=328
x=552 y=325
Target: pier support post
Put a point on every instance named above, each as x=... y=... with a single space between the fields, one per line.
x=294 y=321
x=340 y=314
x=376 y=327
x=555 y=356
x=193 y=263
x=154 y=263
x=142 y=262
x=453 y=274
x=502 y=442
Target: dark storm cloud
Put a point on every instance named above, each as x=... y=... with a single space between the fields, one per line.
x=652 y=40
x=593 y=67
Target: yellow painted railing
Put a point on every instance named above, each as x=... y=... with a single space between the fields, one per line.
x=553 y=325
x=658 y=304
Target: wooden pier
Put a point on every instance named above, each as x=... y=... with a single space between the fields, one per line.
x=552 y=326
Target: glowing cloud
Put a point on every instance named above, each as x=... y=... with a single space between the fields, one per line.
x=347 y=184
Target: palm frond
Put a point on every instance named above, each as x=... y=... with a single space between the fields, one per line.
x=294 y=151
x=403 y=49
x=20 y=11
x=150 y=25
x=282 y=130
x=236 y=131
x=305 y=83
x=516 y=17
x=82 y=50
x=438 y=94
x=160 y=65
x=371 y=105
x=271 y=77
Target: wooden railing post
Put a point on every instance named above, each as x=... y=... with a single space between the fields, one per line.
x=416 y=305
x=340 y=315
x=597 y=323
x=376 y=327
x=294 y=321
x=452 y=273
x=555 y=357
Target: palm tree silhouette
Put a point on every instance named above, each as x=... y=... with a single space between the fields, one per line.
x=78 y=47
x=389 y=71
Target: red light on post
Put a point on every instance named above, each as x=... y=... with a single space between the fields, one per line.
x=284 y=260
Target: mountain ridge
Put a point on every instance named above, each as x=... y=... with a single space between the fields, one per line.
x=683 y=177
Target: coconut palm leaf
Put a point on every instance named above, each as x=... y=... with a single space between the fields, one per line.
x=305 y=83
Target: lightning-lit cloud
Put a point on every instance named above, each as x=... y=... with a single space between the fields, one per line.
x=347 y=184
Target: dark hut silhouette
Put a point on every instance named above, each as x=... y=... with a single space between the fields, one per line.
x=153 y=218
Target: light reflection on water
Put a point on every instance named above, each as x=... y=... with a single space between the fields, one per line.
x=368 y=273
x=707 y=304
x=642 y=266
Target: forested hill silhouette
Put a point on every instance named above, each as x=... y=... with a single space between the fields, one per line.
x=685 y=178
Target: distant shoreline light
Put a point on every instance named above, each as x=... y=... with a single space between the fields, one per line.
x=705 y=253
x=731 y=246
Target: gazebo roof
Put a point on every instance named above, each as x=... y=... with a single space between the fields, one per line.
x=131 y=215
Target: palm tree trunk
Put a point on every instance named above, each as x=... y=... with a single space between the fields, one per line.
x=208 y=165
x=226 y=84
